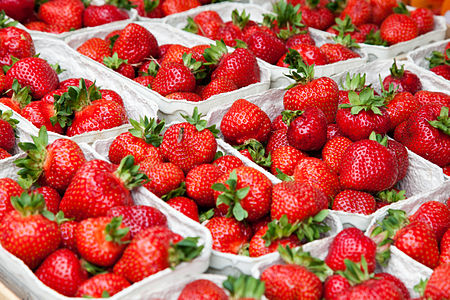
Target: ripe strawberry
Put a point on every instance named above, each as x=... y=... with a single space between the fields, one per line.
x=174 y=54
x=333 y=152
x=62 y=272
x=338 y=52
x=437 y=286
x=135 y=43
x=153 y=250
x=199 y=181
x=173 y=77
x=381 y=9
x=51 y=198
x=95 y=48
x=423 y=17
x=285 y=159
x=170 y=7
x=39 y=114
x=111 y=183
x=398 y=283
x=119 y=65
x=37 y=25
x=4 y=154
x=149 y=9
x=277 y=140
x=227 y=163
x=74 y=82
x=65 y=13
x=427 y=97
x=164 y=177
x=360 y=12
x=297 y=200
x=244 y=121
x=27 y=234
x=298 y=39
x=354 y=202
x=35 y=73
x=435 y=214
x=379 y=287
x=15 y=42
x=100 y=285
x=206 y=23
x=442 y=70
x=68 y=235
x=229 y=33
x=322 y=93
x=50 y=97
x=418 y=241
x=228 y=235
x=95 y=15
x=425 y=134
x=403 y=80
x=19 y=10
x=7 y=130
x=266 y=46
x=218 y=86
x=398 y=28
x=316 y=15
x=190 y=143
x=307 y=129
x=352 y=244
x=309 y=54
x=400 y=106
x=333 y=131
x=334 y=285
x=19 y=99
x=186 y=206
x=202 y=288
x=8 y=188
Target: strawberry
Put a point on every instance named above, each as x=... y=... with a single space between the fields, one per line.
x=149 y=9
x=351 y=244
x=138 y=217
x=65 y=13
x=111 y=183
x=37 y=25
x=423 y=17
x=26 y=233
x=206 y=23
x=316 y=15
x=52 y=164
x=398 y=28
x=218 y=86
x=244 y=121
x=186 y=206
x=443 y=70
x=334 y=285
x=333 y=152
x=227 y=163
x=426 y=134
x=175 y=54
x=164 y=177
x=19 y=10
x=277 y=140
x=437 y=286
x=95 y=48
x=360 y=12
x=35 y=73
x=199 y=181
x=341 y=49
x=354 y=202
x=153 y=250
x=173 y=77
x=4 y=154
x=119 y=65
x=266 y=46
x=62 y=272
x=102 y=285
x=400 y=106
x=68 y=235
x=228 y=235
x=307 y=129
x=240 y=66
x=51 y=198
x=418 y=241
x=427 y=97
x=7 y=130
x=444 y=257
x=298 y=39
x=435 y=214
x=322 y=93
x=141 y=142
x=297 y=200
x=381 y=9
x=15 y=42
x=202 y=288
x=8 y=188
x=285 y=159
x=191 y=97
x=403 y=80
x=229 y=33
x=39 y=114
x=95 y=15
x=309 y=54
x=170 y=7
x=388 y=197
x=135 y=43
x=74 y=82
x=333 y=131
x=398 y=283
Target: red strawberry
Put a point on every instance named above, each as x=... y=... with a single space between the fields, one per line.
x=138 y=217
x=199 y=181
x=149 y=9
x=427 y=97
x=424 y=19
x=186 y=206
x=333 y=152
x=202 y=288
x=62 y=271
x=19 y=10
x=398 y=28
x=437 y=286
x=174 y=54
x=164 y=177
x=352 y=244
x=266 y=46
x=39 y=114
x=229 y=33
x=227 y=163
x=173 y=77
x=68 y=235
x=27 y=234
x=401 y=156
x=381 y=9
x=333 y=131
x=218 y=86
x=170 y=7
x=359 y=11
x=244 y=121
x=37 y=25
x=228 y=235
x=95 y=15
x=334 y=285
x=4 y=154
x=191 y=97
x=285 y=159
x=64 y=13
x=74 y=82
x=51 y=198
x=400 y=106
x=298 y=39
x=435 y=214
x=189 y=144
x=337 y=52
x=135 y=43
x=8 y=188
x=316 y=15
x=277 y=140
x=403 y=80
x=15 y=42
x=442 y=70
x=309 y=54
x=19 y=99
x=101 y=285
x=398 y=283
x=95 y=48
x=354 y=202
x=7 y=130
x=119 y=65
x=278 y=123
x=106 y=179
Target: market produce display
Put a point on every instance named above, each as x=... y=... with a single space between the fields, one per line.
x=262 y=153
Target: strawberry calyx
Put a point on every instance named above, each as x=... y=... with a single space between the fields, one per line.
x=129 y=173
x=152 y=70
x=32 y=165
x=240 y=20
x=179 y=191
x=150 y=5
x=125 y=4
x=112 y=40
x=57 y=68
x=356 y=273
x=312 y=3
x=5 y=21
x=388 y=94
x=28 y=204
x=91 y=268
x=115 y=234
x=278 y=229
x=199 y=123
x=391 y=196
x=345 y=40
x=303 y=73
x=380 y=139
x=285 y=34
x=395 y=71
x=75 y=99
x=184 y=251
x=244 y=287
x=420 y=287
x=442 y=122
x=312 y=228
x=374 y=38
x=283 y=176
x=438 y=58
x=401 y=9
x=290 y=115
x=356 y=83
x=20 y=94
x=364 y=100
x=206 y=215
x=7 y=117
x=231 y=196
x=345 y=26
x=337 y=6
x=192 y=26
x=114 y=62
x=214 y=54
x=196 y=67
x=383 y=233
x=148 y=129
x=297 y=256
x=59 y=218
x=257 y=152
x=284 y=15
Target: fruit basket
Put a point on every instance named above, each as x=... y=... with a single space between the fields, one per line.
x=21 y=280
x=421 y=176
x=256 y=13
x=169 y=109
x=55 y=51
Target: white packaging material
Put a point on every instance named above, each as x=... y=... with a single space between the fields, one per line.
x=170 y=110
x=278 y=78
x=419 y=56
x=422 y=175
x=76 y=65
x=21 y=280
